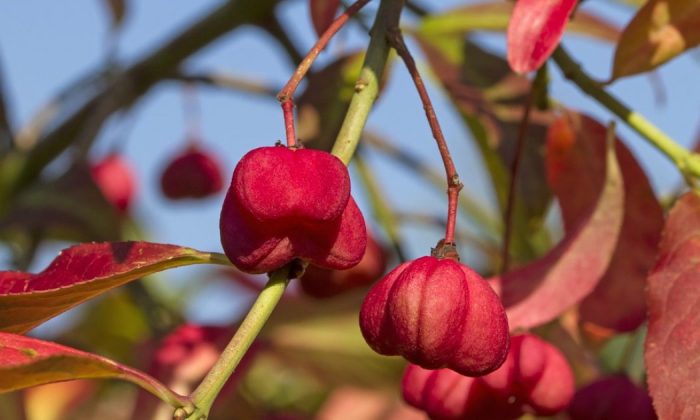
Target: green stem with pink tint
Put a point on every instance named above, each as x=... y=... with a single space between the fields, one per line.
x=367 y=85
x=203 y=397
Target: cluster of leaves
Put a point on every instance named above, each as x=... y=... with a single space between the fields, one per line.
x=620 y=270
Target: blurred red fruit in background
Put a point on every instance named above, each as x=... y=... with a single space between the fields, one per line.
x=193 y=173
x=322 y=283
x=115 y=178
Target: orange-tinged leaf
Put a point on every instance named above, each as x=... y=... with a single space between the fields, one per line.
x=575 y=158
x=322 y=13
x=672 y=348
x=659 y=31
x=541 y=290
x=65 y=397
x=83 y=272
x=27 y=362
x=534 y=31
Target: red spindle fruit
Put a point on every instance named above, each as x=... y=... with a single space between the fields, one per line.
x=285 y=204
x=193 y=173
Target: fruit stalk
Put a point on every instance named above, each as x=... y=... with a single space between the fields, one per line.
x=288 y=111
x=285 y=96
x=453 y=183
x=203 y=397
x=192 y=113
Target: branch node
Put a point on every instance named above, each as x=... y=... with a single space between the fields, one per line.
x=360 y=85
x=445 y=249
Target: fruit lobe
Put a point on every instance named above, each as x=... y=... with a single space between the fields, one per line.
x=193 y=173
x=613 y=397
x=436 y=313
x=322 y=283
x=274 y=183
x=115 y=178
x=534 y=378
x=285 y=204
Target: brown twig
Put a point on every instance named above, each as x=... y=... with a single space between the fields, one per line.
x=285 y=96
x=6 y=131
x=227 y=81
x=453 y=183
x=139 y=78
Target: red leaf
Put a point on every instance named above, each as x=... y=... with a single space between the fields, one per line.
x=575 y=157
x=323 y=13
x=540 y=291
x=495 y=15
x=673 y=341
x=26 y=362
x=534 y=31
x=80 y=273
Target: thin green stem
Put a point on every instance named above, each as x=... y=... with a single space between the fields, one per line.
x=471 y=207
x=203 y=397
x=287 y=92
x=367 y=86
x=512 y=184
x=219 y=258
x=381 y=208
x=688 y=163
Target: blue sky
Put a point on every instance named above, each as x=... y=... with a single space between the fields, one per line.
x=44 y=45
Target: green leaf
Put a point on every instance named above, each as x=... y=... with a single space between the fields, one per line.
x=82 y=272
x=27 y=362
x=661 y=30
